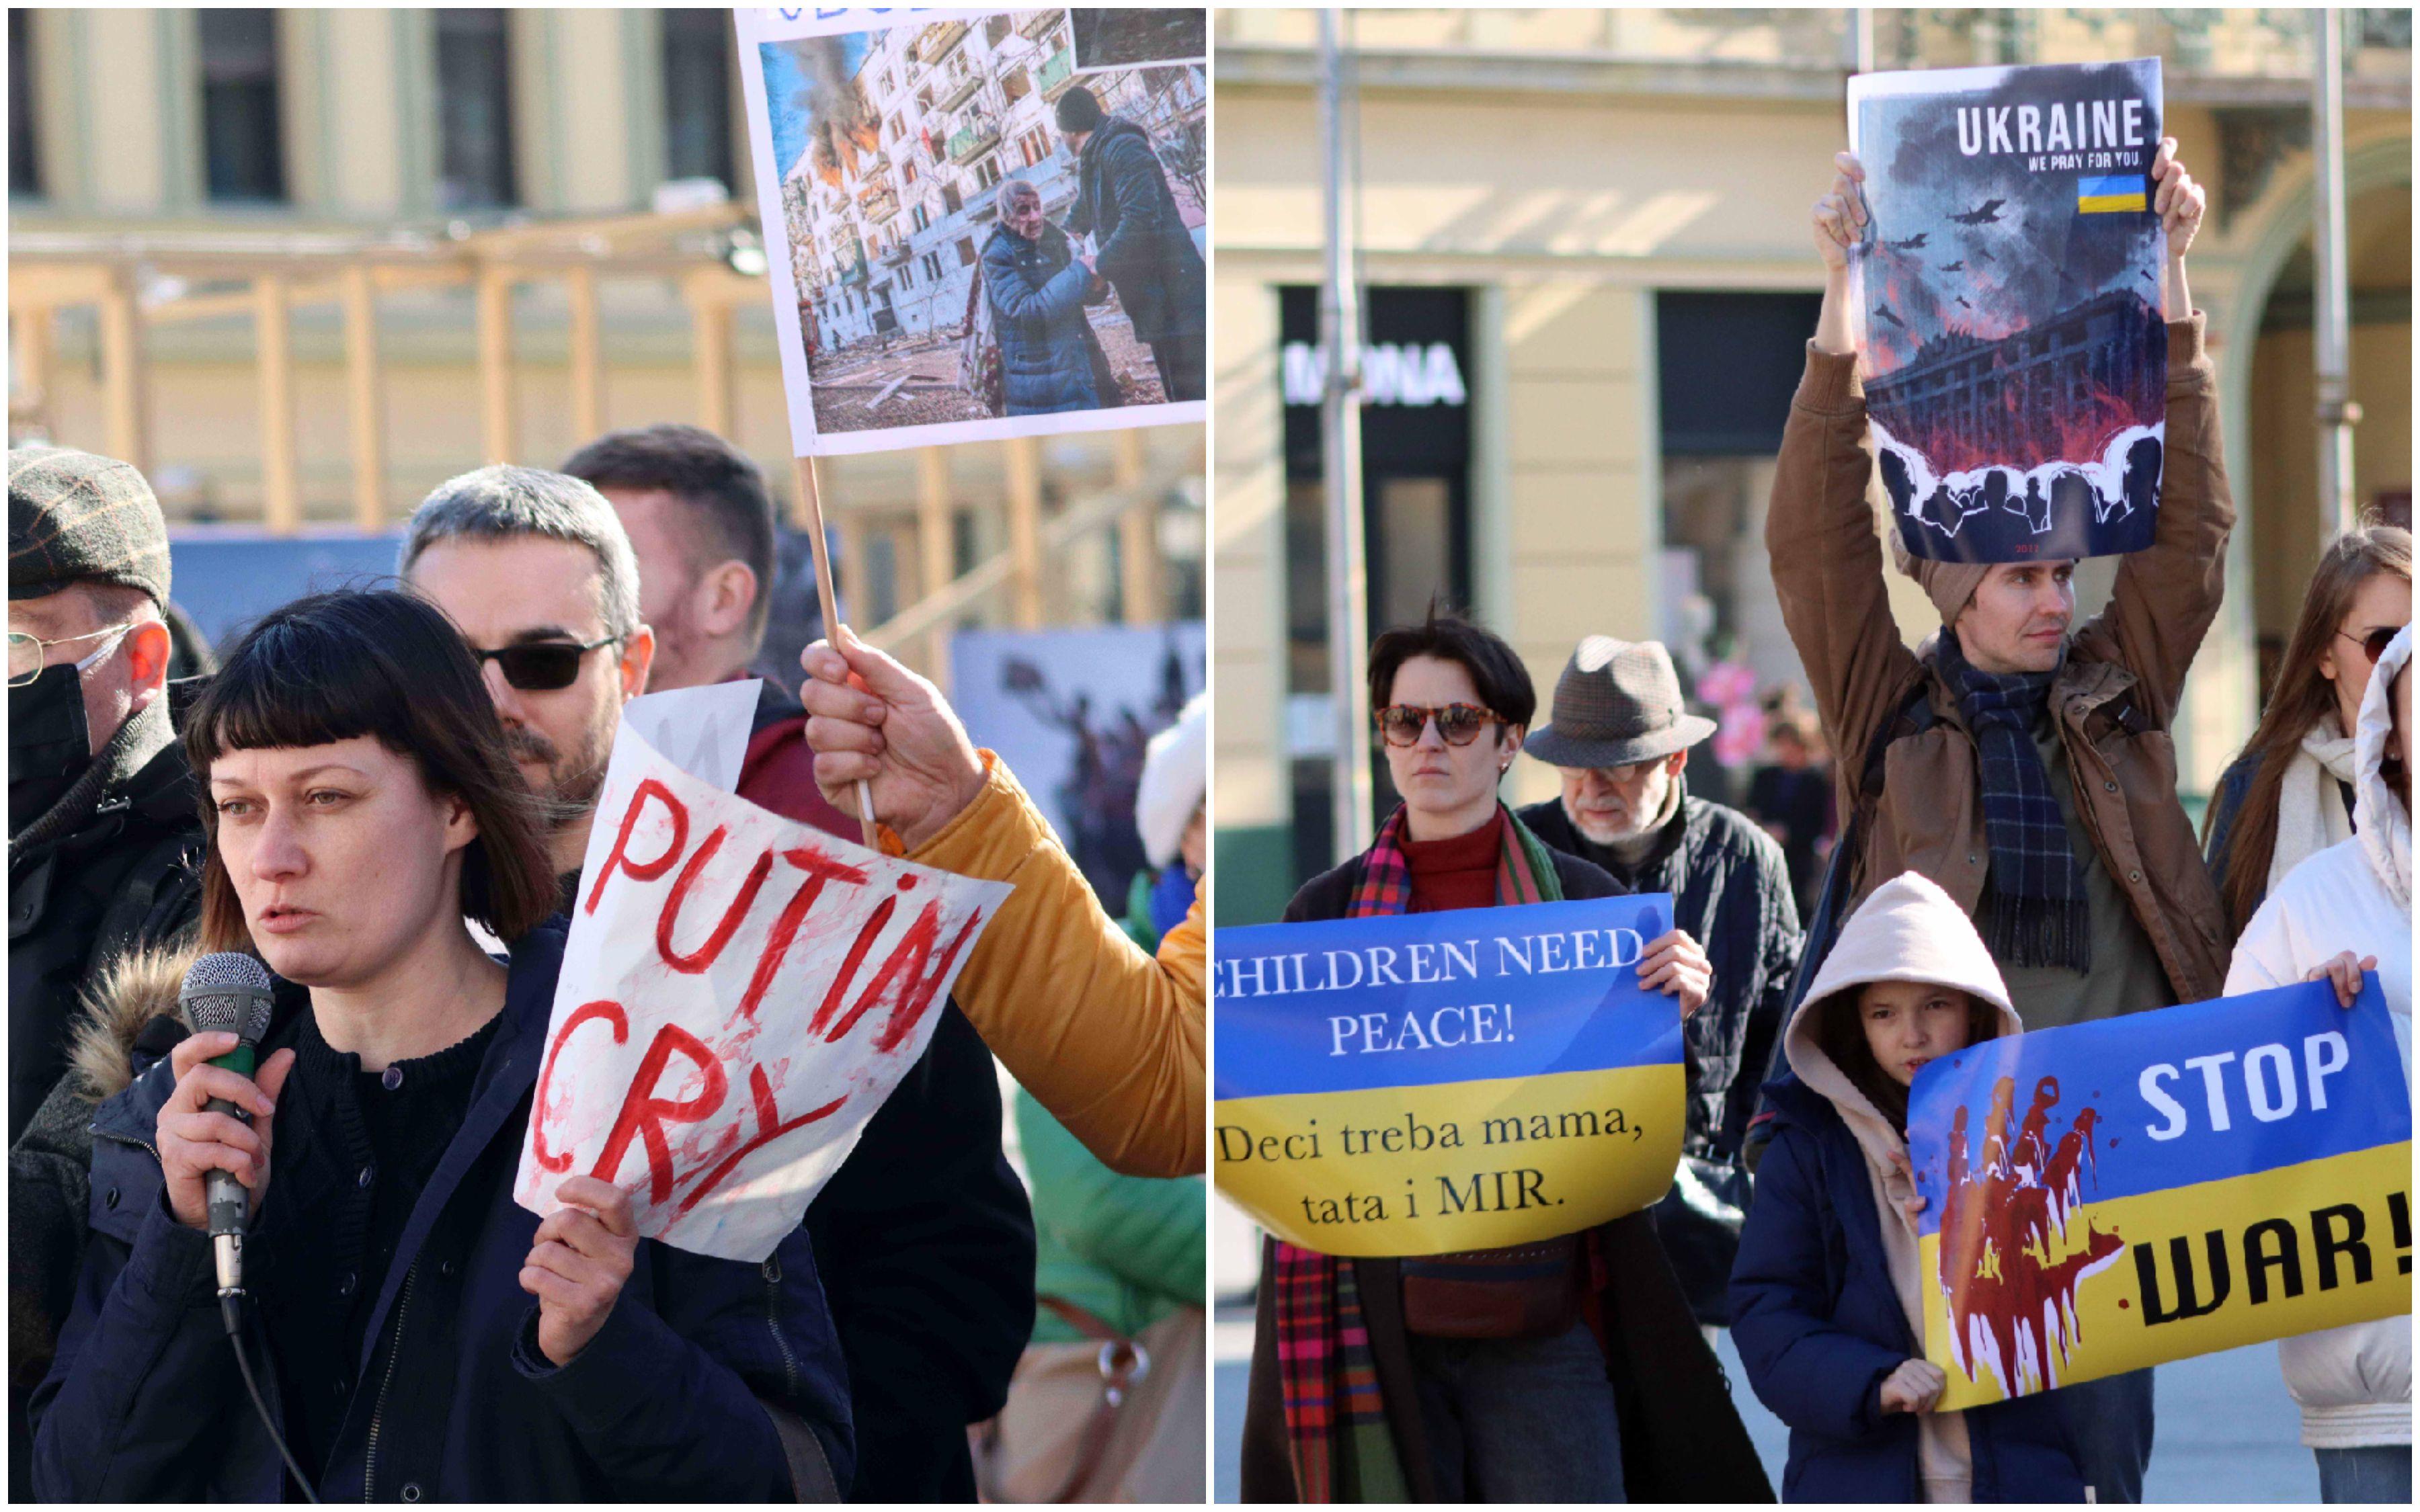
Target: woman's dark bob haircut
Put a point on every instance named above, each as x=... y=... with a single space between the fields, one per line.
x=1495 y=668
x=390 y=665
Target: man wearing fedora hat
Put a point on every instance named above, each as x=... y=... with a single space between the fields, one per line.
x=1620 y=735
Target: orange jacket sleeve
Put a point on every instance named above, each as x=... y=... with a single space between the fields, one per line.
x=1108 y=1038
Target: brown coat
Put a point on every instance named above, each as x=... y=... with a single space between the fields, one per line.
x=2114 y=700
x=1106 y=1036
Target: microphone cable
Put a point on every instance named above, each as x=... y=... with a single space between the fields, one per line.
x=231 y=1314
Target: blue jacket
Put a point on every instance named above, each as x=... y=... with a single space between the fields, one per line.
x=1121 y=199
x=1047 y=347
x=668 y=1402
x=1819 y=1325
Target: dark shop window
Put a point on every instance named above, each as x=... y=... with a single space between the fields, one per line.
x=244 y=148
x=697 y=95
x=474 y=111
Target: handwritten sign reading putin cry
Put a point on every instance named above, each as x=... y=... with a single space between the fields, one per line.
x=739 y=994
x=2111 y=1196
x=1437 y=1082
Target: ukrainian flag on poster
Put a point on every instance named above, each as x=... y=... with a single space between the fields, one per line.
x=2111 y=1196
x=1428 y=1082
x=2125 y=191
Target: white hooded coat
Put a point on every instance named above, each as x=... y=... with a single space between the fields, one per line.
x=1908 y=930
x=2355 y=1383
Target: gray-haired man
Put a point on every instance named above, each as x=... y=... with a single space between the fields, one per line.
x=537 y=571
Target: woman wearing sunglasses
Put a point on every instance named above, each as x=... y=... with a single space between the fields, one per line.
x=2290 y=795
x=411 y=1332
x=1492 y=1385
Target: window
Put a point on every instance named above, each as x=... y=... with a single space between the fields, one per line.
x=921 y=217
x=697 y=95
x=987 y=173
x=907 y=170
x=951 y=203
x=244 y=153
x=966 y=251
x=906 y=277
x=1035 y=146
x=1017 y=83
x=474 y=111
x=933 y=265
x=24 y=176
x=996 y=30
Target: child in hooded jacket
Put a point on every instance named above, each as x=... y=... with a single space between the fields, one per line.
x=1827 y=1292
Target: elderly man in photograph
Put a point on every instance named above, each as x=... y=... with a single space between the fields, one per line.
x=1140 y=244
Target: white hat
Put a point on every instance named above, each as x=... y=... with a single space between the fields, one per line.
x=1175 y=774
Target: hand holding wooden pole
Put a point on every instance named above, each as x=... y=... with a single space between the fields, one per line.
x=805 y=467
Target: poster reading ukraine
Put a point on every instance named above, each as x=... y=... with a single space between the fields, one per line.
x=2111 y=1196
x=2007 y=302
x=1428 y=1082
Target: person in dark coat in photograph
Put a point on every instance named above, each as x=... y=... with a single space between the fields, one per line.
x=1049 y=359
x=416 y=1334
x=1827 y=1292
x=1620 y=739
x=1123 y=202
x=1589 y=1380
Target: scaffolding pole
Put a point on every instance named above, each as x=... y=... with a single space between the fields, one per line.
x=2332 y=311
x=1340 y=343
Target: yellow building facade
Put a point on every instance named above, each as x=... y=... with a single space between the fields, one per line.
x=1594 y=187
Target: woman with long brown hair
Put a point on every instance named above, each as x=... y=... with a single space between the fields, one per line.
x=2290 y=795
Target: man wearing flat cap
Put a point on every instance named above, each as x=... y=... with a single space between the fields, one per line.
x=1620 y=735
x=1139 y=240
x=104 y=840
x=2026 y=761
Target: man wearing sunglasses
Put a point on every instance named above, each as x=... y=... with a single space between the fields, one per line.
x=104 y=840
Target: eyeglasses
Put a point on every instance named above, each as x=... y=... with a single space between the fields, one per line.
x=2374 y=644
x=541 y=666
x=25 y=652
x=1458 y=724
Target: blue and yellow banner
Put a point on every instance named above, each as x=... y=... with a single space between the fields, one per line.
x=2111 y=1196
x=2106 y=195
x=1430 y=1083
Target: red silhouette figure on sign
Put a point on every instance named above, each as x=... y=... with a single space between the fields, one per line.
x=2010 y=1301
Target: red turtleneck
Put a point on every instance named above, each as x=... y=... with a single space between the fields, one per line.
x=1456 y=873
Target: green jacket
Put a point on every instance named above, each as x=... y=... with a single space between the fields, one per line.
x=1127 y=1249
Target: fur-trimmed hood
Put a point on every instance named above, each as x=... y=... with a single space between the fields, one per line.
x=137 y=989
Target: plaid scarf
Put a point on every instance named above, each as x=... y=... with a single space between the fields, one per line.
x=2033 y=912
x=1335 y=1419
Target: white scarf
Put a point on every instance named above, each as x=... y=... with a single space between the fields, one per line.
x=2310 y=806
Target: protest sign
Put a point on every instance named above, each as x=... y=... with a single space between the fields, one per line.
x=2007 y=294
x=2177 y=1183
x=739 y=992
x=909 y=311
x=1436 y=1082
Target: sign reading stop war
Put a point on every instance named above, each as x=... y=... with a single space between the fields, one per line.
x=2111 y=1196
x=1436 y=1082
x=739 y=992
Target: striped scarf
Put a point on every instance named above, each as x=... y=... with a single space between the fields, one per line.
x=2034 y=912
x=1327 y=1375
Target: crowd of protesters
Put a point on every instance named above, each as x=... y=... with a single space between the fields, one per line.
x=372 y=769
x=2000 y=845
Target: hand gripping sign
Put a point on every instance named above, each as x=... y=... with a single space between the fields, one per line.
x=739 y=992
x=1438 y=1082
x=2111 y=1196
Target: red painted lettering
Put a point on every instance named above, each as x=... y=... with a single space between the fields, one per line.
x=605 y=1008
x=917 y=986
x=856 y=958
x=643 y=871
x=645 y=1115
x=819 y=869
x=704 y=956
x=769 y=1128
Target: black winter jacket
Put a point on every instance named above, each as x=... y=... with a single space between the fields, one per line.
x=673 y=1400
x=1121 y=199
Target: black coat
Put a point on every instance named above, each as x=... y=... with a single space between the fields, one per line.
x=1145 y=251
x=668 y=1402
x=1681 y=1440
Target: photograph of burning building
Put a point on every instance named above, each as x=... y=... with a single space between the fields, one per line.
x=2009 y=297
x=985 y=232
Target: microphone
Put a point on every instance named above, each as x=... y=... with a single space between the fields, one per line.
x=228 y=991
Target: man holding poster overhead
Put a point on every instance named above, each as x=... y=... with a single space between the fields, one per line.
x=2020 y=760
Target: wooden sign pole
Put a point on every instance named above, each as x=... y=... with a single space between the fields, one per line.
x=805 y=467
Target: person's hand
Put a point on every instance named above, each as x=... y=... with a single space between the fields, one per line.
x=578 y=1262
x=1676 y=965
x=870 y=719
x=1913 y=1387
x=2345 y=973
x=2175 y=199
x=1840 y=215
x=194 y=1142
x=1912 y=1204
